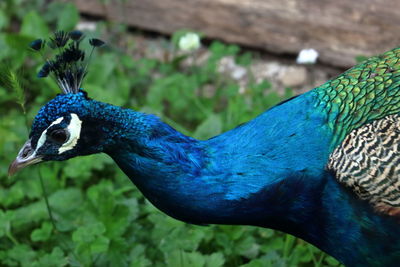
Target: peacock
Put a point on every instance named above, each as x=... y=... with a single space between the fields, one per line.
x=322 y=166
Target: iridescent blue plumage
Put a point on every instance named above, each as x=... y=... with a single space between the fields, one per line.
x=233 y=179
x=270 y=172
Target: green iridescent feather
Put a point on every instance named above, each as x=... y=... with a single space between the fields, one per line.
x=366 y=92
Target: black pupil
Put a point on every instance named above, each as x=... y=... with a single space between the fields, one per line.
x=60 y=136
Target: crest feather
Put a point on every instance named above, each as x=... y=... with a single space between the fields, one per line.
x=68 y=67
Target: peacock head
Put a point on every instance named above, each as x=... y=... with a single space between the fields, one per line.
x=63 y=127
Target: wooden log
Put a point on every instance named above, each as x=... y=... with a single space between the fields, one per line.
x=339 y=30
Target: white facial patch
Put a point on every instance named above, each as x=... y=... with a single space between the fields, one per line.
x=43 y=137
x=74 y=129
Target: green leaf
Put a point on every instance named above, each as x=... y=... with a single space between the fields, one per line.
x=68 y=17
x=140 y=262
x=182 y=258
x=43 y=233
x=101 y=69
x=81 y=168
x=138 y=257
x=331 y=261
x=215 y=260
x=12 y=196
x=210 y=127
x=88 y=233
x=29 y=213
x=100 y=244
x=33 y=25
x=56 y=258
x=118 y=221
x=23 y=254
x=245 y=59
x=31 y=188
x=5 y=222
x=17 y=47
x=66 y=200
x=3 y=19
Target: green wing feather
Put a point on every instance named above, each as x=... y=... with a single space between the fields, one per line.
x=362 y=106
x=366 y=92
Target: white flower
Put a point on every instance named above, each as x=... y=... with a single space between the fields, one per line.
x=189 y=42
x=86 y=25
x=307 y=56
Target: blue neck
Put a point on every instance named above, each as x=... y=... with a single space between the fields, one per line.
x=266 y=173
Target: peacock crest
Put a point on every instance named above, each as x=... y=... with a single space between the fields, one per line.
x=68 y=67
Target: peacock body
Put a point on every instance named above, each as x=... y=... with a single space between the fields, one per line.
x=321 y=166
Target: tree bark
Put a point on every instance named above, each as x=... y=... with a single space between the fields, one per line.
x=339 y=30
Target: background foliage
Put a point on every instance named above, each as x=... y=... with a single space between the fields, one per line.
x=99 y=217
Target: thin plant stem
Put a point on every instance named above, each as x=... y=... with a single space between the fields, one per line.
x=11 y=237
x=46 y=200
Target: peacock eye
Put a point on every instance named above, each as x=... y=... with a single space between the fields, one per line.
x=59 y=136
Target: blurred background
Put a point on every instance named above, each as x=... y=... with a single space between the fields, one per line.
x=203 y=66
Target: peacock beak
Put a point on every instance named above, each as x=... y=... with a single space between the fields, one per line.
x=26 y=156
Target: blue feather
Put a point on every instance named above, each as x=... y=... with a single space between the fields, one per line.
x=270 y=172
